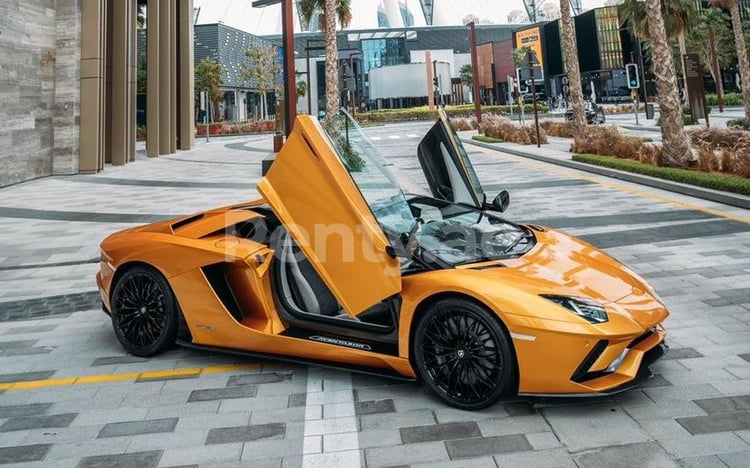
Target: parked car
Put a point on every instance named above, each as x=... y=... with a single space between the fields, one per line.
x=336 y=265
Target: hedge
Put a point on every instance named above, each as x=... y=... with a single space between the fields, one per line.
x=727 y=183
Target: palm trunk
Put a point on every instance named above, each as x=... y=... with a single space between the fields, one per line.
x=332 y=75
x=715 y=70
x=676 y=145
x=739 y=41
x=573 y=70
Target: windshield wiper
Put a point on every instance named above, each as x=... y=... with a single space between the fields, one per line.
x=527 y=235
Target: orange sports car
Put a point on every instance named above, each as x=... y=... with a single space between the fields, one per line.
x=337 y=266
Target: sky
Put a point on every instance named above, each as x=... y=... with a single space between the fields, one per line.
x=235 y=12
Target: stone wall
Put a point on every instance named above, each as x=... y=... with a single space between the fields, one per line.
x=39 y=82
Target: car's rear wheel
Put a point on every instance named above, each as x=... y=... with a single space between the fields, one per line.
x=144 y=312
x=462 y=354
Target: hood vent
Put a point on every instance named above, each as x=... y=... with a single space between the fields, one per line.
x=186 y=221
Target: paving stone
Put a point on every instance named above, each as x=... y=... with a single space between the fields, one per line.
x=682 y=353
x=710 y=461
x=411 y=435
x=656 y=381
x=521 y=408
x=703 y=445
x=297 y=399
x=245 y=391
x=721 y=422
x=379 y=438
x=38 y=422
x=220 y=455
x=109 y=360
x=123 y=460
x=236 y=380
x=374 y=407
x=149 y=426
x=556 y=458
x=396 y=420
x=725 y=405
x=645 y=454
x=746 y=357
x=20 y=411
x=23 y=453
x=736 y=459
x=484 y=462
x=225 y=435
x=598 y=426
x=480 y=446
x=406 y=454
x=26 y=376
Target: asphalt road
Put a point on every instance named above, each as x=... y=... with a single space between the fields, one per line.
x=70 y=396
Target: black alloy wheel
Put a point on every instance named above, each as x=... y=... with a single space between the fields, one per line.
x=463 y=354
x=144 y=312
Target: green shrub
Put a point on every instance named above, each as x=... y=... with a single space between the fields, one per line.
x=730 y=99
x=739 y=124
x=486 y=139
x=465 y=111
x=727 y=183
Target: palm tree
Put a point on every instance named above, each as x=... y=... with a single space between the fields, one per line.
x=329 y=11
x=675 y=143
x=679 y=17
x=739 y=40
x=573 y=69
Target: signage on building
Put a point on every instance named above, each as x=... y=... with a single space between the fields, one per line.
x=531 y=38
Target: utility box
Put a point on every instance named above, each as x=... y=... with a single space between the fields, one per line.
x=649 y=111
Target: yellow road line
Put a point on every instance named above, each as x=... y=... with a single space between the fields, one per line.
x=102 y=378
x=642 y=193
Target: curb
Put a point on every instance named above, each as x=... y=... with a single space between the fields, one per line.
x=684 y=189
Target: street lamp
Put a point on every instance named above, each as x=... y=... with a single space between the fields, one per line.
x=287 y=33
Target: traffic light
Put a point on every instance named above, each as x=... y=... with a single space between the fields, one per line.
x=435 y=82
x=631 y=72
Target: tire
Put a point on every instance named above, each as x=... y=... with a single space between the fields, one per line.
x=144 y=312
x=457 y=368
x=600 y=118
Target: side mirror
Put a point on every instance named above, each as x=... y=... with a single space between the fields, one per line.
x=500 y=203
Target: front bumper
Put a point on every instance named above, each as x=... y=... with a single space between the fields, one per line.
x=606 y=368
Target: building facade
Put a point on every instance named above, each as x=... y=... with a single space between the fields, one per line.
x=68 y=86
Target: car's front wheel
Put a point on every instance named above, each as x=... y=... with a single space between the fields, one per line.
x=144 y=312
x=462 y=354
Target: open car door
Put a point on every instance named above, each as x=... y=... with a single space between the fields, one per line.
x=326 y=213
x=446 y=166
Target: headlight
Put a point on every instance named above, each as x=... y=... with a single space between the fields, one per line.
x=582 y=307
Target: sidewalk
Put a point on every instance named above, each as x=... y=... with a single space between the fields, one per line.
x=557 y=151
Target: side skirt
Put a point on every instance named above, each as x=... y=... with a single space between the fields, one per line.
x=389 y=374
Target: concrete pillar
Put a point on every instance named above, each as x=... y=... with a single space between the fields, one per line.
x=172 y=76
x=153 y=85
x=133 y=77
x=185 y=77
x=91 y=85
x=119 y=111
x=104 y=117
x=165 y=76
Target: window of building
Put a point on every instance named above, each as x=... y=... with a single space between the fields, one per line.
x=381 y=52
x=608 y=34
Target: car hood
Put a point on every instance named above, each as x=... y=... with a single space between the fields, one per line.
x=562 y=265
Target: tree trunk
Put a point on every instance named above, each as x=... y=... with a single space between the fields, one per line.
x=675 y=143
x=683 y=52
x=715 y=70
x=573 y=70
x=739 y=41
x=332 y=52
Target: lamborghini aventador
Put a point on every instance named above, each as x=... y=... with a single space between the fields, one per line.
x=336 y=265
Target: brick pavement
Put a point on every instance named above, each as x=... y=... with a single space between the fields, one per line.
x=695 y=412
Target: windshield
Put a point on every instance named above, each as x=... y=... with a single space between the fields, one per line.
x=457 y=234
x=368 y=168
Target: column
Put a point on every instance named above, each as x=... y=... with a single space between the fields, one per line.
x=91 y=86
x=185 y=77
x=133 y=77
x=119 y=111
x=165 y=76
x=153 y=80
x=172 y=76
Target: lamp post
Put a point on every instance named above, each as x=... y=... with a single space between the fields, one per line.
x=287 y=32
x=475 y=72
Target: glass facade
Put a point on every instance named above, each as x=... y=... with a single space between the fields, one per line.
x=381 y=52
x=608 y=35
